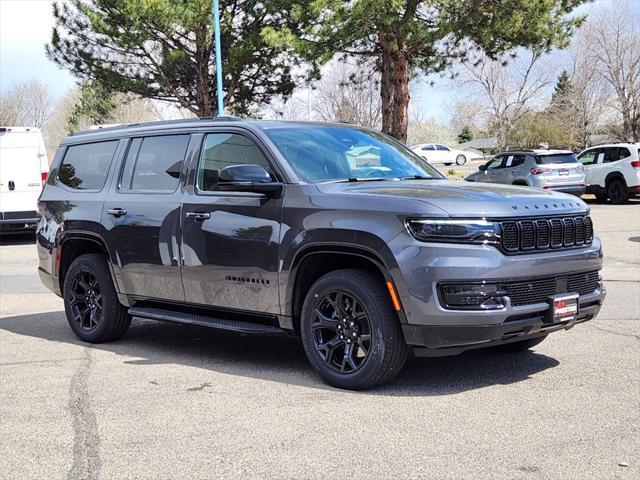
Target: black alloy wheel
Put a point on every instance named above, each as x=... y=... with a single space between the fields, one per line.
x=350 y=330
x=90 y=301
x=86 y=301
x=342 y=332
x=617 y=192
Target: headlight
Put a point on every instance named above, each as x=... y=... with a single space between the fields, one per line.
x=456 y=231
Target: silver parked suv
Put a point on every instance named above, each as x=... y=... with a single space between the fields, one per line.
x=557 y=170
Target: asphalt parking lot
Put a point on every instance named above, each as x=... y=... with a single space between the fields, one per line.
x=174 y=401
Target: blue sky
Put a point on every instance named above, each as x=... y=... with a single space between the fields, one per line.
x=25 y=28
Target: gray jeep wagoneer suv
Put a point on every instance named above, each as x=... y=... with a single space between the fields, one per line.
x=336 y=234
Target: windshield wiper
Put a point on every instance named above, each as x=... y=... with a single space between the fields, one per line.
x=375 y=179
x=418 y=177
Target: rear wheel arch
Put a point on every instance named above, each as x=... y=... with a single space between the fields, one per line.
x=73 y=245
x=521 y=183
x=614 y=176
x=314 y=262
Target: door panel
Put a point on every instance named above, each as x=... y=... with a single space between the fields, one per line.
x=230 y=259
x=230 y=240
x=142 y=218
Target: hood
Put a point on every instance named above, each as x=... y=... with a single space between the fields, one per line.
x=465 y=199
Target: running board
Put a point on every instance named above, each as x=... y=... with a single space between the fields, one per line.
x=204 y=320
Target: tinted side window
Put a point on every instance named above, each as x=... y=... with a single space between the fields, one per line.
x=223 y=149
x=515 y=160
x=623 y=153
x=442 y=147
x=589 y=157
x=428 y=147
x=494 y=163
x=85 y=167
x=153 y=164
x=610 y=154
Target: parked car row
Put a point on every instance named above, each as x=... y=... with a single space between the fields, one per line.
x=609 y=171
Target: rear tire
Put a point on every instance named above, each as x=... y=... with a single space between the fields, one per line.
x=461 y=160
x=522 y=346
x=352 y=306
x=91 y=303
x=617 y=191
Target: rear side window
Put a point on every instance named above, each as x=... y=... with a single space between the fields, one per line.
x=560 y=158
x=623 y=153
x=153 y=164
x=515 y=160
x=85 y=167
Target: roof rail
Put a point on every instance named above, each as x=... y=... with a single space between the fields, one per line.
x=160 y=123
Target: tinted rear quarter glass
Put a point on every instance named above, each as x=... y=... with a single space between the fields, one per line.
x=86 y=166
x=153 y=164
x=559 y=158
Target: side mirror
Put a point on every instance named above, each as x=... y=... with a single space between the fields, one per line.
x=174 y=170
x=482 y=168
x=248 y=178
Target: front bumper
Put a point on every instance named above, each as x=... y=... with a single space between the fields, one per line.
x=441 y=340
x=576 y=190
x=18 y=226
x=426 y=323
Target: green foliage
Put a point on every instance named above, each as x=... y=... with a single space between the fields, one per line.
x=163 y=49
x=541 y=128
x=95 y=105
x=426 y=36
x=466 y=135
x=562 y=91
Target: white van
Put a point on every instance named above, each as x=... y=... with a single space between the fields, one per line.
x=23 y=170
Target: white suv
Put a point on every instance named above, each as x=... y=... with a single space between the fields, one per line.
x=612 y=171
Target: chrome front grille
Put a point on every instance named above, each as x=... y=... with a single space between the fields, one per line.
x=526 y=235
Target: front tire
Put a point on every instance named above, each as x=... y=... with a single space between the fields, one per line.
x=91 y=303
x=617 y=192
x=522 y=346
x=461 y=160
x=350 y=332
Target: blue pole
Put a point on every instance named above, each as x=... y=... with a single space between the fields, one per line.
x=216 y=29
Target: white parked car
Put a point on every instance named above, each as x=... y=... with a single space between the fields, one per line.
x=438 y=153
x=23 y=170
x=612 y=171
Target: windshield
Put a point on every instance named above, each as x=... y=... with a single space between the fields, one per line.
x=323 y=154
x=557 y=158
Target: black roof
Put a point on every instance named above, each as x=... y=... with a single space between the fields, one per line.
x=137 y=128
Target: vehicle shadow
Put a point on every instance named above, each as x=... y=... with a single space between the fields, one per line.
x=282 y=359
x=18 y=239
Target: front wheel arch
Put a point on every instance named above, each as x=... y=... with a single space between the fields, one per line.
x=313 y=263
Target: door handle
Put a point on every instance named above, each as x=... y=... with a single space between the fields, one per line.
x=116 y=212
x=198 y=215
